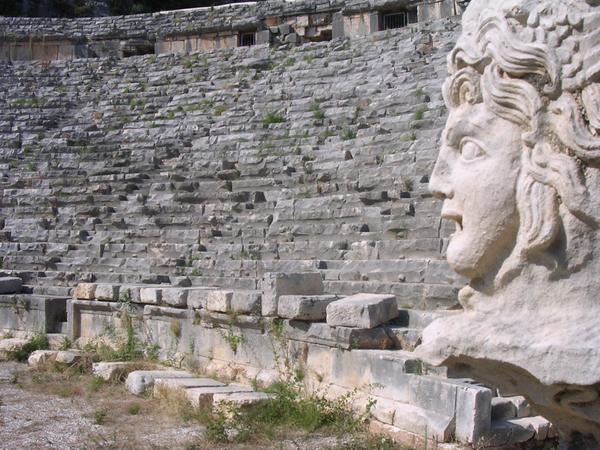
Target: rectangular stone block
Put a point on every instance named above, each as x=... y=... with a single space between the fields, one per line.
x=304 y=307
x=362 y=310
x=246 y=302
x=107 y=292
x=219 y=301
x=151 y=296
x=175 y=297
x=197 y=297
x=203 y=397
x=85 y=291
x=473 y=413
x=275 y=284
x=10 y=285
x=163 y=385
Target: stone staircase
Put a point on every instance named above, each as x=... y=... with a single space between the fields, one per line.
x=223 y=165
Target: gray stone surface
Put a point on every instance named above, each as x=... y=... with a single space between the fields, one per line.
x=275 y=284
x=139 y=381
x=219 y=301
x=107 y=292
x=304 y=307
x=175 y=297
x=113 y=371
x=362 y=310
x=10 y=285
x=202 y=397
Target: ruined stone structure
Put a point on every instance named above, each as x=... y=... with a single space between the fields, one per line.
x=250 y=210
x=518 y=172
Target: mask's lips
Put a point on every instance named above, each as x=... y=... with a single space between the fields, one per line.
x=455 y=217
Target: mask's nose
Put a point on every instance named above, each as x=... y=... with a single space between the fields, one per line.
x=439 y=183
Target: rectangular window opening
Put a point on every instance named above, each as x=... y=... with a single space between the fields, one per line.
x=247 y=39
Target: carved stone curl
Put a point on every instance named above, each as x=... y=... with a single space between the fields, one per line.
x=519 y=173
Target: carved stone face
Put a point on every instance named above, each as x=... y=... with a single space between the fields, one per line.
x=476 y=174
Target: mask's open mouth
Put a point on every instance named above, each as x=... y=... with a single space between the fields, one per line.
x=455 y=217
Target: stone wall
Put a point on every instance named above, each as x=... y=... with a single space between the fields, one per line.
x=48 y=39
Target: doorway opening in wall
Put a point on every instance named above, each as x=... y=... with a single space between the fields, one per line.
x=247 y=39
x=137 y=48
x=398 y=19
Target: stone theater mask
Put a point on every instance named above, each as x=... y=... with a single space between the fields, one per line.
x=518 y=173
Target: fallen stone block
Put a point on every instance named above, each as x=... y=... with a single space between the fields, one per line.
x=175 y=297
x=304 y=307
x=139 y=381
x=40 y=358
x=275 y=284
x=10 y=285
x=219 y=301
x=68 y=357
x=362 y=310
x=107 y=292
x=113 y=371
x=203 y=397
x=85 y=291
x=163 y=385
x=241 y=399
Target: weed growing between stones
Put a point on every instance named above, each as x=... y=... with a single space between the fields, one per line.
x=37 y=342
x=273 y=117
x=291 y=408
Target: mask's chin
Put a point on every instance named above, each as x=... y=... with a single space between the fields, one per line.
x=462 y=257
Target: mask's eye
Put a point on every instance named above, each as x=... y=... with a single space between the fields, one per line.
x=470 y=150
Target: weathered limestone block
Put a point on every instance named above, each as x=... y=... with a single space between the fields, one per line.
x=113 y=371
x=107 y=292
x=39 y=358
x=68 y=357
x=162 y=386
x=151 y=295
x=362 y=310
x=175 y=297
x=139 y=381
x=202 y=397
x=241 y=399
x=85 y=291
x=520 y=181
x=246 y=302
x=275 y=284
x=10 y=285
x=219 y=301
x=304 y=307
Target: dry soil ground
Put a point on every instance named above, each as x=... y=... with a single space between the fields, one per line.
x=52 y=410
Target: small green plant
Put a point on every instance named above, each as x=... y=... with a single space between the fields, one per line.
x=37 y=342
x=170 y=115
x=219 y=109
x=134 y=409
x=175 y=328
x=315 y=108
x=99 y=416
x=97 y=383
x=420 y=112
x=273 y=117
x=288 y=62
x=66 y=343
x=234 y=340
x=348 y=134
